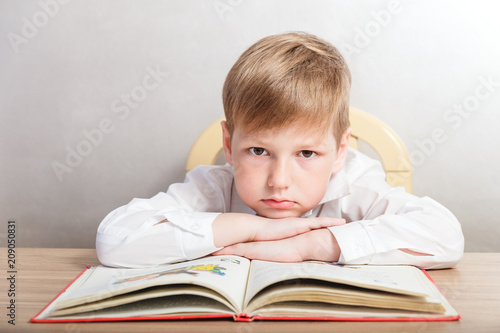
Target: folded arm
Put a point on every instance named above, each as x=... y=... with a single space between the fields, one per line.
x=187 y=222
x=318 y=244
x=389 y=226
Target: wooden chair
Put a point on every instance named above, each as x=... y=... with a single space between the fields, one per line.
x=365 y=127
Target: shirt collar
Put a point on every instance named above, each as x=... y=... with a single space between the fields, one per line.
x=338 y=187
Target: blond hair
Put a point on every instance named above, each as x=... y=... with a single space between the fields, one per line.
x=285 y=79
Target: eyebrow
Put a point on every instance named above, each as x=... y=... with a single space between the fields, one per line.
x=309 y=144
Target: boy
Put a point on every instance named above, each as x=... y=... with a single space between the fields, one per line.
x=291 y=189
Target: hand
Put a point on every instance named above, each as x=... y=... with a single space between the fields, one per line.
x=284 y=250
x=234 y=228
x=313 y=245
x=275 y=229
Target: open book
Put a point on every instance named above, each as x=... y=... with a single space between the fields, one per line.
x=232 y=286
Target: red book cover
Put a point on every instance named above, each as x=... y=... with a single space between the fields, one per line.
x=228 y=286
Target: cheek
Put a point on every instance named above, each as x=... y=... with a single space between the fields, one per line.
x=314 y=189
x=247 y=180
x=315 y=180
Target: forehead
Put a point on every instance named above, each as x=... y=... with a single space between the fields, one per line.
x=295 y=133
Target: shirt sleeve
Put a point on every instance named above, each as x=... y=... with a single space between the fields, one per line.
x=132 y=235
x=391 y=226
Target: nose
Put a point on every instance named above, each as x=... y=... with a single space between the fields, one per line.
x=280 y=175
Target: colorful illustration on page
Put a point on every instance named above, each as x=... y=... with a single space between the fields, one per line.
x=332 y=264
x=234 y=261
x=191 y=270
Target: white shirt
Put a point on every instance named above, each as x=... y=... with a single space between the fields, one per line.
x=380 y=220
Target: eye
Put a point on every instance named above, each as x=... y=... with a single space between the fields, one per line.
x=307 y=154
x=257 y=151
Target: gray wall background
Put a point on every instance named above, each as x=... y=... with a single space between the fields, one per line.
x=85 y=127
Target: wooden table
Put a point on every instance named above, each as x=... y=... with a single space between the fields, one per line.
x=473 y=288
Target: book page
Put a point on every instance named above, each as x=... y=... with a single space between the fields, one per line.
x=160 y=294
x=227 y=275
x=405 y=280
x=309 y=299
x=324 y=310
x=178 y=305
x=326 y=292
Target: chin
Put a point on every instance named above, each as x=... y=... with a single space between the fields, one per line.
x=278 y=214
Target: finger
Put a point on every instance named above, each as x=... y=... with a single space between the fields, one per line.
x=232 y=249
x=336 y=221
x=248 y=250
x=327 y=222
x=223 y=251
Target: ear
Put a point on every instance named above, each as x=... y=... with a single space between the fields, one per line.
x=226 y=143
x=342 y=151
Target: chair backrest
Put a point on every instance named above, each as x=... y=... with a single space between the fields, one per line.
x=365 y=127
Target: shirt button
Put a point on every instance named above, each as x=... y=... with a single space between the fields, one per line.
x=359 y=248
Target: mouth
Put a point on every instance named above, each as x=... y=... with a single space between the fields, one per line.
x=279 y=203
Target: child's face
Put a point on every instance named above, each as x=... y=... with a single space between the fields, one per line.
x=283 y=173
